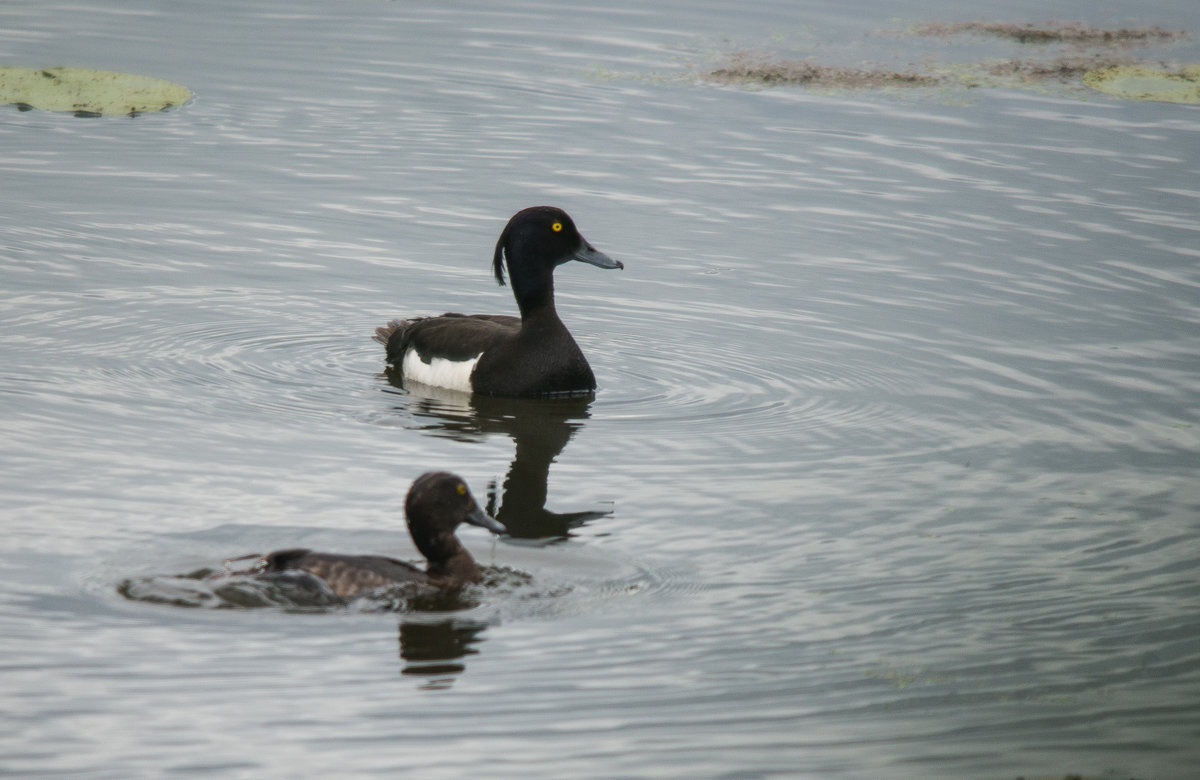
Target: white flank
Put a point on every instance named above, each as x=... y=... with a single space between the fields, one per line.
x=439 y=372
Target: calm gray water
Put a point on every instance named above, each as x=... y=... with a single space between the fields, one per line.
x=892 y=471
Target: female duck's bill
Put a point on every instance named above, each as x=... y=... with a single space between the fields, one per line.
x=436 y=504
x=496 y=354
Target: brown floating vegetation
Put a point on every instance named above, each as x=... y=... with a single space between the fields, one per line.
x=1052 y=32
x=748 y=68
x=1090 y=55
x=1061 y=68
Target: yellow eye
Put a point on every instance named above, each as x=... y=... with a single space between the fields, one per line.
x=462 y=489
x=556 y=227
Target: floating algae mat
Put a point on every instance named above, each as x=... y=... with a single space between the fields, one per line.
x=1141 y=83
x=1052 y=32
x=744 y=68
x=1100 y=58
x=88 y=92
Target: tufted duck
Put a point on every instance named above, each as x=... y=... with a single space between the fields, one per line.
x=437 y=502
x=495 y=354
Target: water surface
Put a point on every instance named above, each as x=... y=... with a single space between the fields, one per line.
x=891 y=471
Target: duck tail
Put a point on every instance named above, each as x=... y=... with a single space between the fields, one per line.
x=383 y=334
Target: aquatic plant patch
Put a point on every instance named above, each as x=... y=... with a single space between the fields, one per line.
x=1068 y=53
x=746 y=68
x=1134 y=82
x=1052 y=32
x=86 y=92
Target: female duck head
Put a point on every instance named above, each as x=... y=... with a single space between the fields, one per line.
x=437 y=503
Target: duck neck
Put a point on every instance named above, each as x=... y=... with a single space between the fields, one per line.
x=458 y=566
x=535 y=296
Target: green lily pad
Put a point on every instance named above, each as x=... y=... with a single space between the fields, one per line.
x=88 y=92
x=1135 y=82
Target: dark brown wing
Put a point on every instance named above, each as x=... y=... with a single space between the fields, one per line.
x=346 y=575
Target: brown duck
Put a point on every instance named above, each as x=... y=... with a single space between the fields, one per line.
x=436 y=504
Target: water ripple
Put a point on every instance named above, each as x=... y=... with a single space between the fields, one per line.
x=274 y=359
x=722 y=380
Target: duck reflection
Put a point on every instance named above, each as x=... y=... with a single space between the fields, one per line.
x=539 y=427
x=434 y=650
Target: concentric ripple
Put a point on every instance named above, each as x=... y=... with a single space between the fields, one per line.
x=177 y=345
x=726 y=384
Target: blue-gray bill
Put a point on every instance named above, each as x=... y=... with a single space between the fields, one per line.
x=482 y=519
x=592 y=256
